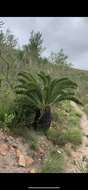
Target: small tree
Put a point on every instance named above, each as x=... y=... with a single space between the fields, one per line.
x=60 y=58
x=35 y=44
x=10 y=40
x=33 y=50
x=7 y=44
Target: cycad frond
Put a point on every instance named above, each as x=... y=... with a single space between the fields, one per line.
x=27 y=76
x=57 y=87
x=45 y=78
x=67 y=97
x=41 y=90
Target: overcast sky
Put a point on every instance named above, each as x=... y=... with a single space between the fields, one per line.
x=69 y=33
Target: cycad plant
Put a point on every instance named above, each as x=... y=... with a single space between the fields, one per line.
x=41 y=92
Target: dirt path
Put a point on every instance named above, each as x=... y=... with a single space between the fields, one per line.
x=79 y=158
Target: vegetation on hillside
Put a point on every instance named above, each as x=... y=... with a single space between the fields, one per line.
x=35 y=92
x=39 y=93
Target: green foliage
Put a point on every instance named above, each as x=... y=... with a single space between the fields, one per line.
x=32 y=51
x=29 y=135
x=33 y=140
x=60 y=58
x=73 y=135
x=33 y=145
x=8 y=118
x=10 y=39
x=69 y=117
x=42 y=91
x=53 y=163
x=56 y=136
x=24 y=114
x=35 y=43
x=74 y=120
x=68 y=130
x=55 y=116
x=6 y=104
x=53 y=86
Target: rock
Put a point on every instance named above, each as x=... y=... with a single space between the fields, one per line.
x=21 y=158
x=12 y=149
x=28 y=160
x=4 y=149
x=11 y=141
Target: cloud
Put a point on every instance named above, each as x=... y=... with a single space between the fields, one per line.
x=69 y=33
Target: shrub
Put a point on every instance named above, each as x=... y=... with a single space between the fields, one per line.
x=8 y=118
x=33 y=140
x=61 y=137
x=41 y=92
x=73 y=135
x=29 y=135
x=57 y=136
x=55 y=117
x=24 y=115
x=6 y=104
x=54 y=163
x=33 y=144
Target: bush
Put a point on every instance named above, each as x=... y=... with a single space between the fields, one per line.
x=24 y=115
x=57 y=136
x=55 y=117
x=7 y=98
x=73 y=135
x=8 y=118
x=73 y=121
x=29 y=135
x=54 y=163
x=61 y=137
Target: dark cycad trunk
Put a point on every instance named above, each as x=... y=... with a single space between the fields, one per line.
x=37 y=115
x=43 y=121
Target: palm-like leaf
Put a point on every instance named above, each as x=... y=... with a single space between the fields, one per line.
x=42 y=91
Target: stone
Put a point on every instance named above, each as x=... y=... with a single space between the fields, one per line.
x=21 y=158
x=28 y=160
x=4 y=149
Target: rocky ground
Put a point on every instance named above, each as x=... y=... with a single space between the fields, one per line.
x=16 y=156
